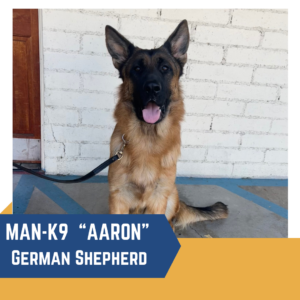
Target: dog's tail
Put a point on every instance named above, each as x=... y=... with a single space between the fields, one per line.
x=189 y=214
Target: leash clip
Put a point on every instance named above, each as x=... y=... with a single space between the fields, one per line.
x=120 y=152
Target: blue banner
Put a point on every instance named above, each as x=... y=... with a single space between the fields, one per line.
x=86 y=246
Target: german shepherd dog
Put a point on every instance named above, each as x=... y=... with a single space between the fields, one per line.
x=148 y=115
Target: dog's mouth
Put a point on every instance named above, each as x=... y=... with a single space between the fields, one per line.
x=151 y=113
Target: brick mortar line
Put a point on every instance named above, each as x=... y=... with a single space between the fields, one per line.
x=161 y=40
x=110 y=11
x=230 y=16
x=240 y=65
x=78 y=125
x=237 y=116
x=191 y=61
x=265 y=154
x=70 y=158
x=112 y=14
x=106 y=143
x=235 y=82
x=53 y=107
x=176 y=21
x=261 y=163
x=188 y=79
x=78 y=52
x=55 y=70
x=236 y=132
x=233 y=148
x=224 y=132
x=269 y=10
x=83 y=142
x=188 y=97
x=78 y=91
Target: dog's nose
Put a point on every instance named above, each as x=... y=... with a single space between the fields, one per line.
x=152 y=87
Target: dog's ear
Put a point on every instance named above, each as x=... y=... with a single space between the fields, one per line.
x=118 y=46
x=178 y=42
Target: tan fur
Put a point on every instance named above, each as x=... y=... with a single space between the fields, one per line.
x=143 y=181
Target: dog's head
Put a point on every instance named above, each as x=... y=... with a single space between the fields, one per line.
x=153 y=73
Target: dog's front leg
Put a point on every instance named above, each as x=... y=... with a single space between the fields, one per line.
x=118 y=204
x=156 y=198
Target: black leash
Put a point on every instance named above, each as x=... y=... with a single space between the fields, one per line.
x=80 y=179
x=101 y=167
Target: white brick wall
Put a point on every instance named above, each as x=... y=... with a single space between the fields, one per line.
x=235 y=88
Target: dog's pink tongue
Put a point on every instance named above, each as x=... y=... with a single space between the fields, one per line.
x=151 y=113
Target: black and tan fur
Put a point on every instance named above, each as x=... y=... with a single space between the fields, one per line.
x=143 y=181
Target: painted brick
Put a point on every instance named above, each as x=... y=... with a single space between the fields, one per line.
x=26 y=149
x=62 y=116
x=264 y=141
x=95 y=150
x=71 y=149
x=279 y=126
x=240 y=124
x=143 y=44
x=218 y=16
x=79 y=100
x=61 y=40
x=151 y=13
x=205 y=53
x=214 y=107
x=78 y=62
x=94 y=44
x=192 y=154
x=59 y=80
x=231 y=91
x=260 y=171
x=54 y=149
x=266 y=110
x=98 y=98
x=256 y=57
x=98 y=117
x=196 y=123
x=136 y=27
x=252 y=18
x=77 y=21
x=79 y=166
x=210 y=139
x=201 y=169
x=83 y=134
x=216 y=72
x=101 y=83
x=199 y=89
x=273 y=76
x=273 y=156
x=275 y=40
x=228 y=36
x=48 y=135
x=235 y=155
x=51 y=166
x=284 y=95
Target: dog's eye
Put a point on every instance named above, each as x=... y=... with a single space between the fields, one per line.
x=165 y=68
x=137 y=69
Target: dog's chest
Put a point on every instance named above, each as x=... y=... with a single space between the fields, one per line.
x=146 y=170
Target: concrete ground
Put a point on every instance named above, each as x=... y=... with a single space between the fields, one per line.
x=257 y=208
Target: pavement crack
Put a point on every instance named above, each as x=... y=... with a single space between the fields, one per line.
x=196 y=231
